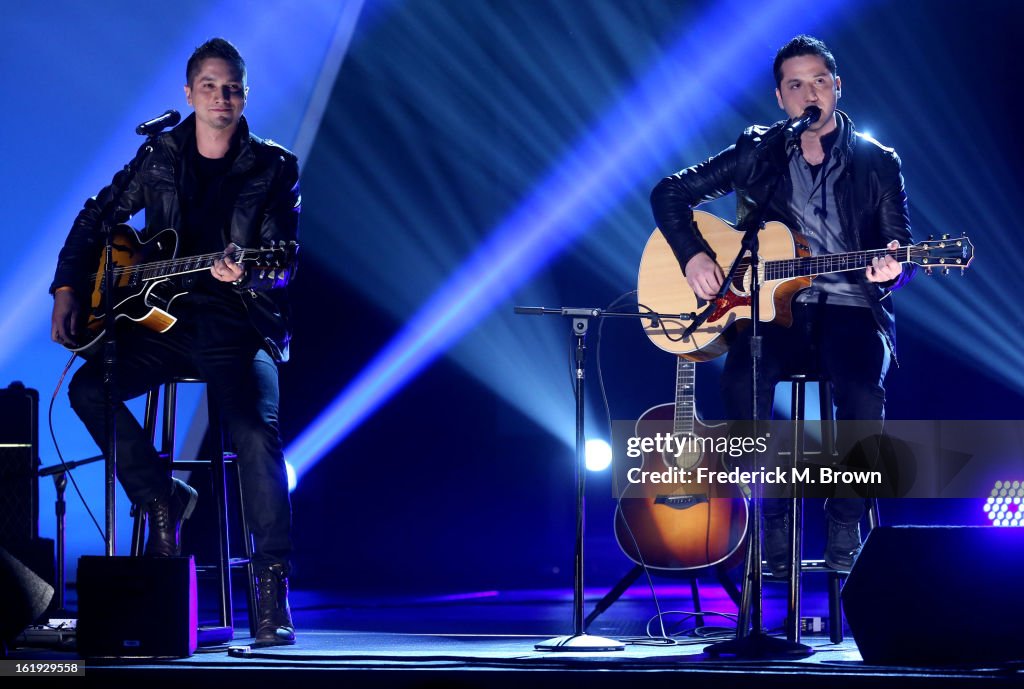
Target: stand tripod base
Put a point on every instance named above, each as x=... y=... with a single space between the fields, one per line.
x=759 y=646
x=580 y=643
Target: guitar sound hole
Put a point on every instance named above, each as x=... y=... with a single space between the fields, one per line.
x=741 y=282
x=685 y=453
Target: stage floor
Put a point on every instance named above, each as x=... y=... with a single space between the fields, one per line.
x=486 y=639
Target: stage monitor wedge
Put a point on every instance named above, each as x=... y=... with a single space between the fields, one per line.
x=938 y=595
x=137 y=607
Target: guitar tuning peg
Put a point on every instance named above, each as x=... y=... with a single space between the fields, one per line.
x=931 y=237
x=263 y=274
x=945 y=236
x=945 y=271
x=927 y=271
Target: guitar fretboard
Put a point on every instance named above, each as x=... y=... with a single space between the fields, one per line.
x=174 y=266
x=808 y=266
x=682 y=422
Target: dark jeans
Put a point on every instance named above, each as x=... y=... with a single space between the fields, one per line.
x=222 y=348
x=840 y=343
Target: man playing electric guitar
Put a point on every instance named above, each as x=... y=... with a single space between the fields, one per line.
x=219 y=187
x=844 y=192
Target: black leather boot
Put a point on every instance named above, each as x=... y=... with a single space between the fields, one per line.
x=777 y=535
x=843 y=544
x=275 y=626
x=165 y=516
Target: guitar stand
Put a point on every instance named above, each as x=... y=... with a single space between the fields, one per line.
x=623 y=585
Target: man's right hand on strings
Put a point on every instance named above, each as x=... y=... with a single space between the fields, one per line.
x=704 y=276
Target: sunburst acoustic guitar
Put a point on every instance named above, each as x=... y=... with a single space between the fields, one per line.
x=680 y=526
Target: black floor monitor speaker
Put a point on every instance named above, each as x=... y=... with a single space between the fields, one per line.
x=137 y=607
x=23 y=596
x=938 y=595
x=19 y=460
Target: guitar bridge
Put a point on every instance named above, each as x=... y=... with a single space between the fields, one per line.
x=680 y=502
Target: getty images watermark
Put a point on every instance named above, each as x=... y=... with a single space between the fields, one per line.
x=660 y=458
x=668 y=445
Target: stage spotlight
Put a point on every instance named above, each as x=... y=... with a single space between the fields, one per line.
x=1003 y=506
x=599 y=454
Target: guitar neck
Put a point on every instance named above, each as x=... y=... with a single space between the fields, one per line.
x=682 y=421
x=809 y=266
x=181 y=266
x=175 y=266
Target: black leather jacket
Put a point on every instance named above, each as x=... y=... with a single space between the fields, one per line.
x=870 y=197
x=266 y=212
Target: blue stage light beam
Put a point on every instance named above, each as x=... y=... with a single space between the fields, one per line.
x=960 y=179
x=605 y=165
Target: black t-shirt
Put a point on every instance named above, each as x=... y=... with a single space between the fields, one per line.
x=208 y=199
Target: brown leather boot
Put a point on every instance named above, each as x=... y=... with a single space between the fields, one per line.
x=275 y=626
x=165 y=516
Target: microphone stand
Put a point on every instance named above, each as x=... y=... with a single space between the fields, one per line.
x=751 y=640
x=579 y=640
x=60 y=482
x=121 y=182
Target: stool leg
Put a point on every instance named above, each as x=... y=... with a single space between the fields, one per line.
x=250 y=570
x=743 y=616
x=835 y=609
x=138 y=530
x=138 y=513
x=828 y=421
x=874 y=519
x=695 y=595
x=170 y=408
x=220 y=488
x=796 y=519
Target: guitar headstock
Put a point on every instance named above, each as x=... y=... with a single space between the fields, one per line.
x=270 y=260
x=943 y=253
x=275 y=257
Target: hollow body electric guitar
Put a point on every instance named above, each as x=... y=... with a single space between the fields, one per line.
x=144 y=285
x=786 y=267
x=678 y=525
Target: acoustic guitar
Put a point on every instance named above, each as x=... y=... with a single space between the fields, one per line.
x=786 y=266
x=680 y=526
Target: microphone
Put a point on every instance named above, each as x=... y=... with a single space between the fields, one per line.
x=158 y=124
x=798 y=125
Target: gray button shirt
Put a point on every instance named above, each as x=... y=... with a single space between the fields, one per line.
x=814 y=205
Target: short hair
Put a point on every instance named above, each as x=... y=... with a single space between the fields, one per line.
x=802 y=45
x=215 y=47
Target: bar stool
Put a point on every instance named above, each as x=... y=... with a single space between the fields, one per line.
x=798 y=565
x=217 y=466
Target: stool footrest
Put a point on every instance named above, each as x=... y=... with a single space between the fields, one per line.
x=179 y=464
x=805 y=566
x=234 y=562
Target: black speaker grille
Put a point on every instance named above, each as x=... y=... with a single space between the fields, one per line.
x=19 y=453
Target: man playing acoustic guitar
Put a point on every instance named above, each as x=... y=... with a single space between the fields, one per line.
x=217 y=186
x=844 y=192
